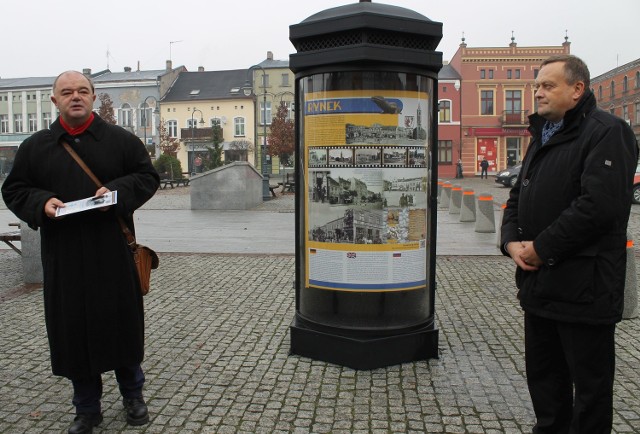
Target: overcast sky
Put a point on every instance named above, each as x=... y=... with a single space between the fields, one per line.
x=44 y=37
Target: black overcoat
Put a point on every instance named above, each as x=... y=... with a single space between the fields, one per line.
x=572 y=199
x=93 y=306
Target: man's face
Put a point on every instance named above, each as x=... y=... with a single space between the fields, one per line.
x=553 y=94
x=74 y=98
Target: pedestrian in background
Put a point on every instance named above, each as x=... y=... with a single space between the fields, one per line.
x=92 y=300
x=484 y=165
x=565 y=228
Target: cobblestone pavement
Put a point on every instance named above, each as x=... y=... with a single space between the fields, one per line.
x=217 y=355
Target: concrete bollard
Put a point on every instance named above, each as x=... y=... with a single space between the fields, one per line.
x=31 y=258
x=446 y=195
x=468 y=207
x=485 y=217
x=630 y=284
x=456 y=199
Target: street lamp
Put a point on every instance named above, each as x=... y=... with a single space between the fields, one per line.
x=144 y=115
x=248 y=90
x=458 y=87
x=193 y=145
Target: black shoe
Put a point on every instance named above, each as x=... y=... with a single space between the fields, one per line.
x=84 y=423
x=137 y=412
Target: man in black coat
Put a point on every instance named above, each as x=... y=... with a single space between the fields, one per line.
x=565 y=228
x=92 y=300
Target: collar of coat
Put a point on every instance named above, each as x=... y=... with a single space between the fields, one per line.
x=96 y=129
x=571 y=118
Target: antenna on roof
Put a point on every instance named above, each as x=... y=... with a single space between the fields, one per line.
x=170 y=44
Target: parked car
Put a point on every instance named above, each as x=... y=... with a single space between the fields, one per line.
x=636 y=185
x=508 y=176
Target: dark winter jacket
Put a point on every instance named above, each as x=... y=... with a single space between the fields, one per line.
x=573 y=198
x=92 y=302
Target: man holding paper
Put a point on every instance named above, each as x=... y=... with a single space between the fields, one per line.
x=93 y=325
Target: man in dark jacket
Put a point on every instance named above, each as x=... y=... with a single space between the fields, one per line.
x=92 y=300
x=565 y=228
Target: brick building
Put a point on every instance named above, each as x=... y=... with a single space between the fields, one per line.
x=496 y=94
x=618 y=92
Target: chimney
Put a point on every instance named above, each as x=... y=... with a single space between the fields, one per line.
x=86 y=71
x=127 y=69
x=169 y=65
x=269 y=55
x=200 y=68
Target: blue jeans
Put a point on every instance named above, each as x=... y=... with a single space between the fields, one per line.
x=87 y=392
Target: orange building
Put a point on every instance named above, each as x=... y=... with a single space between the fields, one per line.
x=618 y=92
x=496 y=95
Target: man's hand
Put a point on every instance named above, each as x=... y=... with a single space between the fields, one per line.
x=101 y=192
x=51 y=206
x=524 y=255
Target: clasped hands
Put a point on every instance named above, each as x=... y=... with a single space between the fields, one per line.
x=524 y=255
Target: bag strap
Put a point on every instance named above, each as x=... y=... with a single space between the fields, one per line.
x=131 y=240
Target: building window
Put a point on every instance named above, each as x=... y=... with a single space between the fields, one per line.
x=192 y=123
x=4 y=123
x=613 y=89
x=238 y=127
x=625 y=84
x=600 y=92
x=46 y=119
x=264 y=80
x=508 y=74
x=625 y=113
x=32 y=120
x=268 y=112
x=285 y=79
x=172 y=128
x=638 y=80
x=517 y=73
x=482 y=74
x=513 y=101
x=486 y=102
x=445 y=151
x=491 y=74
x=637 y=119
x=291 y=108
x=17 y=123
x=444 y=111
x=535 y=73
x=124 y=115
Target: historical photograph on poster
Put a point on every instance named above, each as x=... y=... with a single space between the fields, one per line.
x=417 y=157
x=340 y=157
x=368 y=157
x=317 y=157
x=394 y=157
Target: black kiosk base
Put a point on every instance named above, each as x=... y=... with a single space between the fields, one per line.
x=364 y=352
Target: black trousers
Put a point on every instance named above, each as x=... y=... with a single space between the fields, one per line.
x=87 y=392
x=570 y=371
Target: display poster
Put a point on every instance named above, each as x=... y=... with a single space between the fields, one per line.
x=366 y=170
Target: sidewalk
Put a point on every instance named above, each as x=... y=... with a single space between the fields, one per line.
x=217 y=353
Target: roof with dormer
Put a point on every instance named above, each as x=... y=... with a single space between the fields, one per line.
x=208 y=85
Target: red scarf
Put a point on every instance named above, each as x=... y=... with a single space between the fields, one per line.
x=77 y=130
